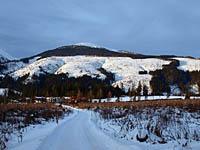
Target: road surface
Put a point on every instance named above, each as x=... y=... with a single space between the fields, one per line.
x=79 y=133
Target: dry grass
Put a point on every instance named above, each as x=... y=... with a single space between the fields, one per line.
x=142 y=104
x=28 y=106
x=30 y=111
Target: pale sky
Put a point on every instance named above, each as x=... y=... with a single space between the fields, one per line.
x=28 y=27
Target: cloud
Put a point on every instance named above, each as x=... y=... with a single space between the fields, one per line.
x=151 y=27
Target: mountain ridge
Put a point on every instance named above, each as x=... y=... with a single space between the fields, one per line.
x=87 y=50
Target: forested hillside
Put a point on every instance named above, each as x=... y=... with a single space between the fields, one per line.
x=95 y=72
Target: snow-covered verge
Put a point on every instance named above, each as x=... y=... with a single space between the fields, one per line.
x=115 y=130
x=17 y=119
x=75 y=132
x=34 y=135
x=164 y=128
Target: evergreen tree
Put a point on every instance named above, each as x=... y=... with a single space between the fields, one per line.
x=122 y=86
x=168 y=90
x=139 y=90
x=133 y=92
x=145 y=91
x=109 y=96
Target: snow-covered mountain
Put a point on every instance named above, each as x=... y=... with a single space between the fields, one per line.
x=88 y=44
x=79 y=60
x=4 y=57
x=126 y=69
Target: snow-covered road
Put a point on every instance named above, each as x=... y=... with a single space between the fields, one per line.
x=79 y=133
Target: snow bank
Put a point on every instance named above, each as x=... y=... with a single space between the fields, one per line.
x=35 y=134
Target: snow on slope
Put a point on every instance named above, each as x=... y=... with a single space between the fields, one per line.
x=82 y=65
x=3 y=59
x=88 y=45
x=17 y=65
x=94 y=46
x=41 y=66
x=5 y=56
x=189 y=64
x=126 y=70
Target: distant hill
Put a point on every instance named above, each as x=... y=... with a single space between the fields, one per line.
x=87 y=50
x=78 y=67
